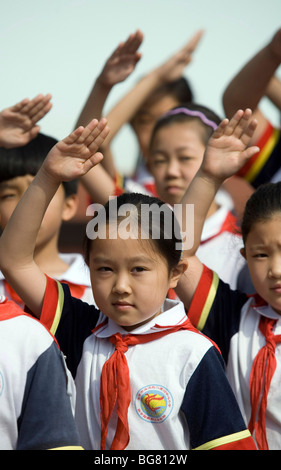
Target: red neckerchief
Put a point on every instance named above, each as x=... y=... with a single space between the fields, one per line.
x=262 y=372
x=115 y=381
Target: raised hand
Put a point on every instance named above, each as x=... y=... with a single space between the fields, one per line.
x=172 y=69
x=75 y=155
x=227 y=150
x=122 y=61
x=18 y=123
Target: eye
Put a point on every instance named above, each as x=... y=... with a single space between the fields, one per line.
x=139 y=269
x=260 y=255
x=158 y=160
x=184 y=158
x=7 y=196
x=104 y=269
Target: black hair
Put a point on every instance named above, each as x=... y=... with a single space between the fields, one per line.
x=180 y=89
x=168 y=242
x=27 y=160
x=196 y=112
x=261 y=206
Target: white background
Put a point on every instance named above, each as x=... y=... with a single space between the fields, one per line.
x=59 y=47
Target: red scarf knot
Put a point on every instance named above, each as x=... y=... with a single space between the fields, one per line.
x=115 y=382
x=262 y=372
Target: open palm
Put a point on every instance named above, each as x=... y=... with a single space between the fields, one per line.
x=227 y=150
x=75 y=155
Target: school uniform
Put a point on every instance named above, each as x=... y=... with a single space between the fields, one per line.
x=236 y=322
x=77 y=276
x=220 y=245
x=265 y=165
x=176 y=395
x=35 y=410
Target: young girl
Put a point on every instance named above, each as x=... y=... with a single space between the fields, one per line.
x=145 y=378
x=177 y=147
x=247 y=329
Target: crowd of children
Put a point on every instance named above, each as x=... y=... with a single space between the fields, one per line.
x=151 y=342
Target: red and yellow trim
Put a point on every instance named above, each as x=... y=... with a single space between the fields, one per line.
x=203 y=298
x=266 y=144
x=52 y=305
x=238 y=441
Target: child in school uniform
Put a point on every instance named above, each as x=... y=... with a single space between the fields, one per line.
x=246 y=328
x=18 y=166
x=177 y=146
x=35 y=393
x=145 y=378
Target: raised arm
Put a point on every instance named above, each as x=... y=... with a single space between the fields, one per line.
x=69 y=159
x=18 y=123
x=273 y=91
x=117 y=68
x=227 y=151
x=250 y=83
x=168 y=71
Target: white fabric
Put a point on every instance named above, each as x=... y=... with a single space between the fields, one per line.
x=243 y=350
x=172 y=364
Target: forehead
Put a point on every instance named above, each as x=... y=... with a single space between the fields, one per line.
x=17 y=182
x=266 y=231
x=120 y=248
x=181 y=131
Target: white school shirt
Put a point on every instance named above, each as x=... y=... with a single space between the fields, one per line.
x=35 y=408
x=78 y=274
x=231 y=319
x=171 y=407
x=220 y=250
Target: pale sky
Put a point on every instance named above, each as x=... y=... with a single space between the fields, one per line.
x=59 y=47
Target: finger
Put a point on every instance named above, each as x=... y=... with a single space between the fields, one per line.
x=85 y=136
x=94 y=160
x=249 y=132
x=193 y=42
x=133 y=42
x=243 y=123
x=33 y=132
x=220 y=130
x=234 y=122
x=99 y=139
x=39 y=106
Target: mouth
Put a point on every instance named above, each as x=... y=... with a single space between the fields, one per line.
x=276 y=288
x=122 y=305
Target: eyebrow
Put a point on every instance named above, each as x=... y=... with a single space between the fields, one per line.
x=177 y=149
x=137 y=259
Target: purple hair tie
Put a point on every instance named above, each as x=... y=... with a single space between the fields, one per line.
x=189 y=112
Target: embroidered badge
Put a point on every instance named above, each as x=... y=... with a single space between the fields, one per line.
x=154 y=403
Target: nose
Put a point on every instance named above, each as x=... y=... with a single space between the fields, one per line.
x=173 y=168
x=275 y=268
x=122 y=284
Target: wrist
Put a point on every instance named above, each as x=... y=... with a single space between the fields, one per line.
x=103 y=84
x=46 y=180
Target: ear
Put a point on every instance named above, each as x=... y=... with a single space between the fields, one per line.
x=243 y=252
x=70 y=207
x=177 y=272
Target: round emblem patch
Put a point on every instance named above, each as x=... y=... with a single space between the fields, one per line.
x=154 y=403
